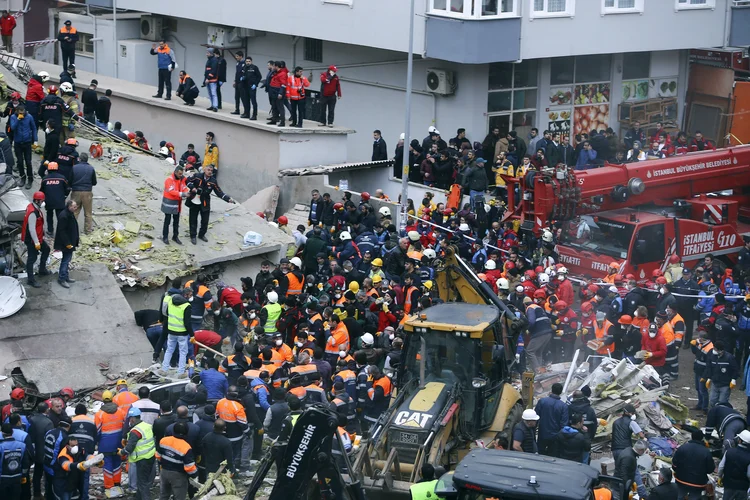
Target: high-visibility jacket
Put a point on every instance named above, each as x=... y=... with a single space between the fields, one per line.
x=84 y=429
x=668 y=332
x=339 y=339
x=109 y=430
x=304 y=371
x=295 y=283
x=600 y=333
x=233 y=413
x=378 y=404
x=232 y=368
x=285 y=352
x=172 y=197
x=315 y=394
x=274 y=313
x=175 y=454
x=408 y=295
x=307 y=347
x=204 y=295
x=295 y=89
x=349 y=379
x=211 y=155
x=344 y=405
x=124 y=399
x=299 y=391
x=176 y=316
x=145 y=447
x=424 y=491
x=678 y=327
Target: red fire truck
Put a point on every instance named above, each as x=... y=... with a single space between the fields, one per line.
x=639 y=214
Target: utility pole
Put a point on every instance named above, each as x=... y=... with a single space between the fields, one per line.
x=407 y=156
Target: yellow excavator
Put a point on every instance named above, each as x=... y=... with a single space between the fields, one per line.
x=453 y=383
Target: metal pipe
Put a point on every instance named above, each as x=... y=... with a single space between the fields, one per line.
x=116 y=42
x=295 y=40
x=359 y=65
x=384 y=86
x=184 y=50
x=407 y=122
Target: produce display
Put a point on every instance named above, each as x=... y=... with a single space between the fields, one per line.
x=592 y=93
x=586 y=118
x=560 y=96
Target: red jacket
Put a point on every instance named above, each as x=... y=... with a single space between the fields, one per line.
x=35 y=91
x=656 y=346
x=330 y=84
x=565 y=291
x=280 y=78
x=7 y=25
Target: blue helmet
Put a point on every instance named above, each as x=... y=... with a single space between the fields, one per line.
x=134 y=412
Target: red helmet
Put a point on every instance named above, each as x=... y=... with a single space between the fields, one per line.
x=530 y=274
x=509 y=266
x=338 y=206
x=539 y=269
x=656 y=273
x=15 y=96
x=38 y=196
x=592 y=289
x=365 y=196
x=447 y=211
x=629 y=277
x=131 y=135
x=68 y=392
x=261 y=215
x=540 y=294
x=674 y=259
x=661 y=280
x=426 y=218
x=52 y=89
x=587 y=307
x=17 y=394
x=561 y=305
x=618 y=278
x=283 y=220
x=191 y=159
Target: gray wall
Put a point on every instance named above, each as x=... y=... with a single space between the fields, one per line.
x=473 y=42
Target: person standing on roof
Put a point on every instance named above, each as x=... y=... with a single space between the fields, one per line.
x=553 y=416
x=330 y=89
x=211 y=78
x=199 y=201
x=165 y=63
x=175 y=190
x=32 y=234
x=67 y=239
x=7 y=25
x=24 y=130
x=68 y=37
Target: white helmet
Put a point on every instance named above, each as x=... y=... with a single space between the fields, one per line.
x=519 y=289
x=272 y=297
x=164 y=151
x=44 y=76
x=529 y=415
x=169 y=160
x=490 y=265
x=429 y=253
x=744 y=436
x=367 y=339
x=562 y=270
x=543 y=278
x=550 y=270
x=345 y=236
x=547 y=236
x=66 y=87
x=503 y=284
x=296 y=261
x=385 y=211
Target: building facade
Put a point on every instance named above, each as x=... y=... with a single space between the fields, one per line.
x=568 y=65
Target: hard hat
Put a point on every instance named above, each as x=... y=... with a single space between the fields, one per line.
x=353 y=286
x=376 y=279
x=661 y=280
x=547 y=236
x=52 y=89
x=66 y=87
x=539 y=269
x=131 y=135
x=107 y=396
x=283 y=220
x=296 y=261
x=122 y=381
x=509 y=266
x=429 y=253
x=540 y=294
x=625 y=319
x=44 y=76
x=272 y=297
x=170 y=160
x=164 y=151
x=530 y=274
x=261 y=215
x=529 y=415
x=674 y=259
x=614 y=264
x=15 y=95
x=96 y=150
x=345 y=236
x=17 y=394
x=414 y=255
x=562 y=270
x=490 y=265
x=413 y=235
x=385 y=211
x=67 y=391
x=134 y=412
x=38 y=196
x=601 y=315
x=630 y=276
x=431 y=129
x=587 y=307
x=71 y=142
x=428 y=284
x=338 y=206
x=368 y=339
x=191 y=159
x=378 y=262
x=618 y=278
x=464 y=228
x=543 y=278
x=612 y=289
x=744 y=436
x=502 y=284
x=365 y=196
x=561 y=305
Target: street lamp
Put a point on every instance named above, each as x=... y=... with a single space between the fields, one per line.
x=407 y=124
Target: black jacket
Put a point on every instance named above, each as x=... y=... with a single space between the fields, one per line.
x=83 y=177
x=204 y=186
x=56 y=189
x=6 y=153
x=89 y=98
x=634 y=298
x=626 y=464
x=52 y=108
x=187 y=89
x=40 y=425
x=67 y=231
x=215 y=449
x=553 y=154
x=103 y=106
x=583 y=407
x=51 y=145
x=476 y=179
x=692 y=462
x=665 y=491
x=222 y=65
x=571 y=444
x=379 y=150
x=160 y=427
x=251 y=75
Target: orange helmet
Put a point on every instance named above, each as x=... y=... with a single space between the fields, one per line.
x=283 y=220
x=540 y=294
x=674 y=259
x=661 y=280
x=53 y=166
x=656 y=273
x=17 y=394
x=530 y=274
x=625 y=320
x=614 y=264
x=52 y=90
x=587 y=307
x=561 y=305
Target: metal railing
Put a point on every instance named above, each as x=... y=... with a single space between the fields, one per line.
x=740 y=3
x=17 y=65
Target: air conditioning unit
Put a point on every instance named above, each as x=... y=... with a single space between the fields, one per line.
x=441 y=81
x=152 y=28
x=223 y=37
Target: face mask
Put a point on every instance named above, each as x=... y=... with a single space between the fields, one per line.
x=245 y=304
x=47 y=130
x=73 y=450
x=561 y=277
x=663 y=291
x=252 y=315
x=191 y=299
x=391 y=336
x=338 y=295
x=342 y=354
x=216 y=313
x=652 y=335
x=299 y=344
x=632 y=417
x=279 y=342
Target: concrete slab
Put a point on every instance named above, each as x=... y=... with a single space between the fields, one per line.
x=61 y=335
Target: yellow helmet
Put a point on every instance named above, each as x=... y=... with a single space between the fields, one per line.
x=376 y=278
x=354 y=286
x=107 y=396
x=122 y=381
x=427 y=284
x=377 y=262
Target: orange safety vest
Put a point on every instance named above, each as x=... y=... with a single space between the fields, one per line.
x=304 y=370
x=300 y=392
x=641 y=323
x=668 y=332
x=600 y=333
x=372 y=292
x=231 y=411
x=339 y=340
x=124 y=399
x=602 y=494
x=202 y=290
x=295 y=284
x=68 y=31
x=277 y=358
x=678 y=335
x=407 y=299
x=384 y=383
x=286 y=352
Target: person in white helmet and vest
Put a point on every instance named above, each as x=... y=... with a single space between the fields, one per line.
x=270 y=313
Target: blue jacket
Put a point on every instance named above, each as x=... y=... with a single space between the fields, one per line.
x=553 y=416
x=585 y=159
x=24 y=130
x=163 y=59
x=216 y=383
x=262 y=396
x=705 y=304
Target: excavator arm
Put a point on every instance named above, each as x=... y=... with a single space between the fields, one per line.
x=306 y=454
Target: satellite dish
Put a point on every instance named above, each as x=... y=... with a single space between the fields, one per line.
x=12 y=296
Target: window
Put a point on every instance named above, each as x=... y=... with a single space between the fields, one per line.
x=475 y=9
x=313 y=50
x=594 y=68
x=636 y=65
x=512 y=97
x=649 y=244
x=85 y=45
x=562 y=70
x=622 y=6
x=552 y=8
x=694 y=4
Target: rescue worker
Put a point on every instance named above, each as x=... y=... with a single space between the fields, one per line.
x=524 y=434
x=626 y=465
x=202 y=299
x=701 y=347
x=40 y=425
x=67 y=156
x=623 y=430
x=692 y=463
x=217 y=449
x=728 y=423
x=188 y=91
x=123 y=397
x=211 y=153
x=226 y=323
x=109 y=427
x=54 y=441
x=72 y=471
x=721 y=374
x=378 y=396
x=604 y=332
x=231 y=411
x=140 y=450
x=337 y=338
x=24 y=129
x=15 y=462
x=665 y=330
x=235 y=364
x=540 y=329
x=68 y=37
x=259 y=385
x=177 y=329
x=67 y=131
x=165 y=64
x=175 y=190
x=277 y=412
x=53 y=108
x=733 y=469
x=295 y=280
x=343 y=404
x=177 y=462
x=655 y=346
x=84 y=429
x=199 y=201
x=56 y=189
x=566 y=324
x=32 y=234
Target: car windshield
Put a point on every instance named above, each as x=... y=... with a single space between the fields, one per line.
x=450 y=357
x=600 y=235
